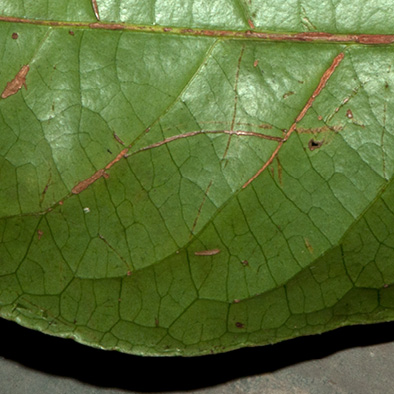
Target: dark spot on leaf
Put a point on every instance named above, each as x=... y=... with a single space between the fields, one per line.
x=40 y=233
x=239 y=325
x=349 y=114
x=245 y=263
x=288 y=94
x=15 y=36
x=313 y=144
x=71 y=32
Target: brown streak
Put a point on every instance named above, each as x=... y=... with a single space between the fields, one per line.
x=322 y=83
x=87 y=182
x=16 y=84
x=211 y=252
x=98 y=174
x=117 y=158
x=95 y=9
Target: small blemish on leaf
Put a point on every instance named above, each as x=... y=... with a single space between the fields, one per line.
x=256 y=63
x=349 y=114
x=239 y=325
x=313 y=144
x=71 y=32
x=117 y=138
x=308 y=245
x=288 y=94
x=86 y=210
x=211 y=252
x=16 y=84
x=15 y=36
x=40 y=233
x=251 y=24
x=245 y=263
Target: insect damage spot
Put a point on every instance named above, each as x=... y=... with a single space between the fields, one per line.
x=16 y=84
x=207 y=252
x=349 y=114
x=313 y=144
x=15 y=36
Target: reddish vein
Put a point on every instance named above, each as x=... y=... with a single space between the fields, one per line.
x=368 y=39
x=83 y=185
x=323 y=80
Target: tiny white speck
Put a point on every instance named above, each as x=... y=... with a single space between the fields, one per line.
x=86 y=210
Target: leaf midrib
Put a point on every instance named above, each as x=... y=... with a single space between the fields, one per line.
x=255 y=35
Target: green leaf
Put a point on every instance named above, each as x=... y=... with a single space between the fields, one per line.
x=181 y=178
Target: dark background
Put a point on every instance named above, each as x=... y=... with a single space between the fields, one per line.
x=66 y=358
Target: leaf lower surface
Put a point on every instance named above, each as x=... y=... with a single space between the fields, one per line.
x=125 y=222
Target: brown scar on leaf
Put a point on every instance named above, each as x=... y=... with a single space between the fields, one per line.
x=118 y=139
x=313 y=144
x=251 y=24
x=87 y=182
x=211 y=252
x=16 y=84
x=40 y=233
x=349 y=114
x=95 y=9
x=15 y=36
x=98 y=174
